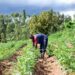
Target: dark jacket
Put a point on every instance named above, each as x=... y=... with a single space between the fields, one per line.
x=41 y=39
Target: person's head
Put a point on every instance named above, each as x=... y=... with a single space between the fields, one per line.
x=31 y=36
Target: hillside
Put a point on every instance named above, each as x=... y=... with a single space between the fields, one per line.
x=61 y=49
x=62 y=45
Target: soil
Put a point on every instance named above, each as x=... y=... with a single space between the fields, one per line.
x=7 y=66
x=48 y=66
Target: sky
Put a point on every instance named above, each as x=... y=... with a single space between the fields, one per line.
x=36 y=6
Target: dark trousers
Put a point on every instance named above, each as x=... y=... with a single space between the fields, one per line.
x=43 y=45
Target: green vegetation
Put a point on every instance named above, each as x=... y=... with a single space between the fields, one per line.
x=26 y=62
x=8 y=49
x=18 y=26
x=14 y=28
x=62 y=45
x=46 y=22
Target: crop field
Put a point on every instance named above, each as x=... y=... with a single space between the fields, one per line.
x=62 y=45
x=8 y=49
x=26 y=62
x=18 y=52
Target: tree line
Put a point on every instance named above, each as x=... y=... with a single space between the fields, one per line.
x=47 y=22
x=13 y=26
x=18 y=26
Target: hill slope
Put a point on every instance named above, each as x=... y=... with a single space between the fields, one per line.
x=62 y=45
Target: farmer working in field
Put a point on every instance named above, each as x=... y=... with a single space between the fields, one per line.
x=40 y=41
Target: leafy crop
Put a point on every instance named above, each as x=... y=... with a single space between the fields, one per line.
x=27 y=61
x=63 y=46
x=8 y=49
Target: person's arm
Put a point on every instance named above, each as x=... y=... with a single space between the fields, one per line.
x=35 y=41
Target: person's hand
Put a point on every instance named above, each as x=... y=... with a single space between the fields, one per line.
x=38 y=45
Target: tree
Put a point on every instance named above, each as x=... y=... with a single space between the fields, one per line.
x=33 y=24
x=2 y=29
x=67 y=18
x=46 y=22
x=24 y=16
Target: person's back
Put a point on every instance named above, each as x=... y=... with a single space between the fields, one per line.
x=40 y=37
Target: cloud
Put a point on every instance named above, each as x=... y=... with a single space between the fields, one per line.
x=33 y=6
x=40 y=2
x=66 y=1
x=27 y=2
x=37 y=2
x=70 y=12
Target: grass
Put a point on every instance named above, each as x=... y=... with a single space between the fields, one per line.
x=8 y=49
x=62 y=45
x=26 y=62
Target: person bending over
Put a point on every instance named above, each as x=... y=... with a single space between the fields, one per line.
x=40 y=41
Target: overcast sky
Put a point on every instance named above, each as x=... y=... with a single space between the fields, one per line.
x=36 y=6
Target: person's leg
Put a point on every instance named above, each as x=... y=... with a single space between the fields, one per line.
x=42 y=50
x=46 y=42
x=45 y=45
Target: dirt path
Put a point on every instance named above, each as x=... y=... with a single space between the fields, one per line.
x=7 y=66
x=48 y=66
